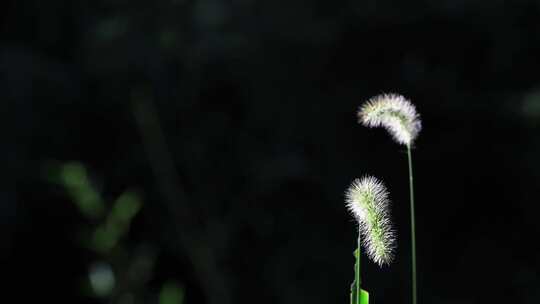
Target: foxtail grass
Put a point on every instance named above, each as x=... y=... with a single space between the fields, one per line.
x=368 y=201
x=399 y=117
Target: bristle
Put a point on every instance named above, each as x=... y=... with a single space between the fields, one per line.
x=368 y=201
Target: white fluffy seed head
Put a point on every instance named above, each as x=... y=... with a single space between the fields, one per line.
x=393 y=112
x=367 y=199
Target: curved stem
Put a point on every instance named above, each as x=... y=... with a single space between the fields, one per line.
x=413 y=230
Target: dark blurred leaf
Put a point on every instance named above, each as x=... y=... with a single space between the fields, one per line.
x=75 y=178
x=171 y=293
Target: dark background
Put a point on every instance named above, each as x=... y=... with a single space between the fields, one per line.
x=234 y=123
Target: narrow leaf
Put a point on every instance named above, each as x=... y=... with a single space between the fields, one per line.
x=364 y=297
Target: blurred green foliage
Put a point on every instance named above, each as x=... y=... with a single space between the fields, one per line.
x=108 y=229
x=171 y=293
x=75 y=179
x=117 y=222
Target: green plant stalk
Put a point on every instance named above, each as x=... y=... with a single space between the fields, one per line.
x=357 y=275
x=413 y=230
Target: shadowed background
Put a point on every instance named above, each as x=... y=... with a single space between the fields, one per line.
x=198 y=151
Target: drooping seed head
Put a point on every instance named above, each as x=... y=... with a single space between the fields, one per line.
x=393 y=112
x=367 y=199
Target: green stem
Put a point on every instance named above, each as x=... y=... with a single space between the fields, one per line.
x=357 y=272
x=413 y=230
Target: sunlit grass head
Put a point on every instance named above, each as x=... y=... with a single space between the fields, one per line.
x=393 y=112
x=367 y=199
